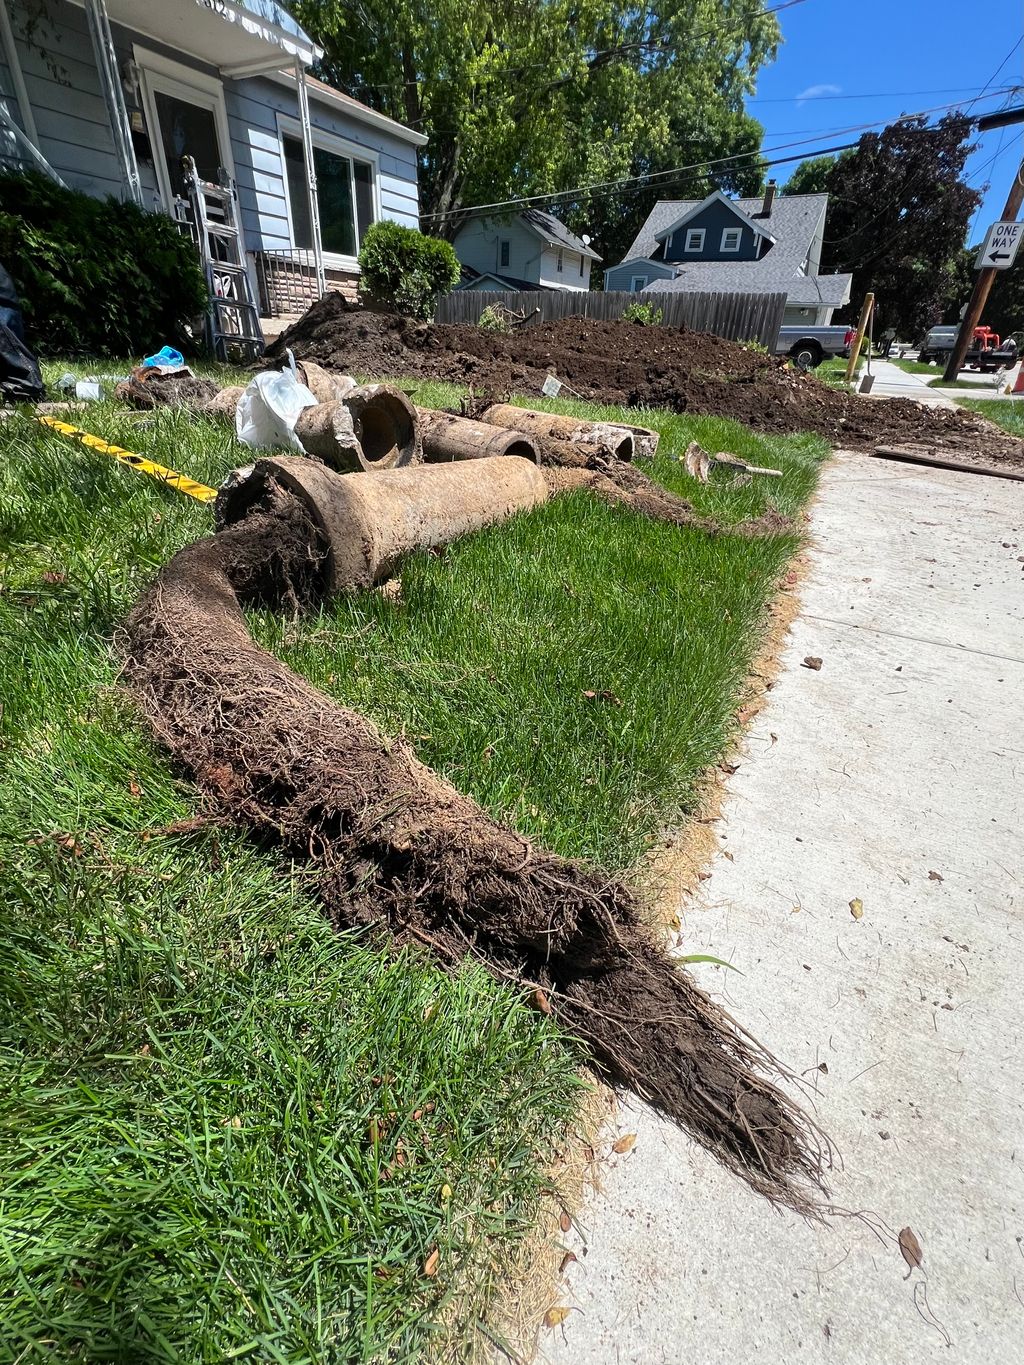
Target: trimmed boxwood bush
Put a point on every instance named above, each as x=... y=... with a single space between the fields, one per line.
x=96 y=277
x=405 y=270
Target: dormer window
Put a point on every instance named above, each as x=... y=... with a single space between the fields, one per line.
x=731 y=239
x=694 y=239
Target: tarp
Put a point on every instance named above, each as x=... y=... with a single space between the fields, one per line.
x=20 y=380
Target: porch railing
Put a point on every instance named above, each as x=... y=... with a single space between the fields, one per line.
x=287 y=281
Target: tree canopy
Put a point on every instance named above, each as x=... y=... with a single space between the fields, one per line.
x=535 y=96
x=899 y=211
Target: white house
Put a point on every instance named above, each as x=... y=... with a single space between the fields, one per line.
x=107 y=95
x=766 y=245
x=527 y=251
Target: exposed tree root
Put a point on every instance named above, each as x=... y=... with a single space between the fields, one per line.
x=398 y=849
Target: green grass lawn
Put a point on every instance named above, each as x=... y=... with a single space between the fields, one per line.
x=228 y=1133
x=1006 y=413
x=915 y=366
x=982 y=385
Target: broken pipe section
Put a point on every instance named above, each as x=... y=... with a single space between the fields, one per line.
x=368 y=525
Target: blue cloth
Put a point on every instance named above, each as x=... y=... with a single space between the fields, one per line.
x=167 y=355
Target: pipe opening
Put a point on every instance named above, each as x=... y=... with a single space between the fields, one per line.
x=385 y=429
x=526 y=449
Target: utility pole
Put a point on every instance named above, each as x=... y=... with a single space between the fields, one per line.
x=983 y=283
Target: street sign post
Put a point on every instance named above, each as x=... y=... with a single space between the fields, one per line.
x=1000 y=246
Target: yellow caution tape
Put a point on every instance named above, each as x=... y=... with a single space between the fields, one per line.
x=199 y=491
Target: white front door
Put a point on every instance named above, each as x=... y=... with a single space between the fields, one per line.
x=186 y=116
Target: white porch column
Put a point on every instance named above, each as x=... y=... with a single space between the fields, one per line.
x=307 y=153
x=113 y=98
x=14 y=66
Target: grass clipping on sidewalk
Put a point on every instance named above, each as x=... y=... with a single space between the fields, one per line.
x=232 y=1125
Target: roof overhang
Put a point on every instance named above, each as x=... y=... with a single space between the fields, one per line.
x=715 y=197
x=240 y=37
x=323 y=94
x=670 y=267
x=552 y=239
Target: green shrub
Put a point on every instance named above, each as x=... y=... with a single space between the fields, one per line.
x=96 y=277
x=494 y=319
x=405 y=270
x=643 y=314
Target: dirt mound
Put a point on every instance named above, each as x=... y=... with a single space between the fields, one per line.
x=395 y=848
x=616 y=362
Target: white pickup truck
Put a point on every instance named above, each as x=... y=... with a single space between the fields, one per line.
x=808 y=346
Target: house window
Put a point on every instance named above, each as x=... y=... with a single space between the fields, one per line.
x=731 y=238
x=637 y=283
x=694 y=239
x=345 y=191
x=504 y=253
x=558 y=261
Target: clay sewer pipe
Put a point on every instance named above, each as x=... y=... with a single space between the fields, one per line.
x=447 y=437
x=553 y=426
x=369 y=525
x=374 y=426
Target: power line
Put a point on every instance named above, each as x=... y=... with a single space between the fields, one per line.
x=883 y=94
x=653 y=179
x=996 y=72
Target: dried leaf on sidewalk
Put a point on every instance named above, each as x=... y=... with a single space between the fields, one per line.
x=857 y=908
x=624 y=1143
x=554 y=1316
x=911 y=1248
x=813 y=663
x=936 y=877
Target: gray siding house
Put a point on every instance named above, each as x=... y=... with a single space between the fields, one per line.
x=531 y=250
x=764 y=245
x=107 y=95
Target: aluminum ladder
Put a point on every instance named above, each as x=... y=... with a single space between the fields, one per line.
x=211 y=214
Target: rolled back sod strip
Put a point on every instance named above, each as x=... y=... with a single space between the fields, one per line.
x=447 y=437
x=396 y=849
x=617 y=439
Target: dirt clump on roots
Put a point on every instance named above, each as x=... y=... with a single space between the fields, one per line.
x=619 y=362
x=152 y=387
x=396 y=849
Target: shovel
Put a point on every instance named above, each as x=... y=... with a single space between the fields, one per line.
x=699 y=464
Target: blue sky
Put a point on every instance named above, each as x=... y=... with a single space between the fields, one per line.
x=909 y=55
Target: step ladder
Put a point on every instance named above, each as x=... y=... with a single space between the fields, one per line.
x=210 y=213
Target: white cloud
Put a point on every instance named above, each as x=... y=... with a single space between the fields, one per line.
x=815 y=92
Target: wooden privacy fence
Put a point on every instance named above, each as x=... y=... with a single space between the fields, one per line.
x=739 y=317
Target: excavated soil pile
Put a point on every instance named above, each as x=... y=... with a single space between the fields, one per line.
x=616 y=362
x=397 y=849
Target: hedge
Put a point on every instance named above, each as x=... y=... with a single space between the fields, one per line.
x=405 y=270
x=97 y=277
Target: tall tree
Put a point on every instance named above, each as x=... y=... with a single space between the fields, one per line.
x=535 y=96
x=898 y=216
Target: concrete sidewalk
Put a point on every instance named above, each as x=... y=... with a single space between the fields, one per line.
x=895 y=776
x=892 y=382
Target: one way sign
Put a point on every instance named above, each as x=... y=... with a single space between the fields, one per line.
x=1000 y=246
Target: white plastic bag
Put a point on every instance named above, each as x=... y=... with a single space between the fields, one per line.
x=269 y=408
